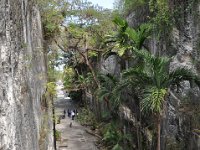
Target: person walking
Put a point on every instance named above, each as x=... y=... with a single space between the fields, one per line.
x=73 y=115
x=68 y=113
x=64 y=114
x=76 y=112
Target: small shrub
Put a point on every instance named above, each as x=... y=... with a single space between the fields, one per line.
x=114 y=137
x=58 y=135
x=87 y=117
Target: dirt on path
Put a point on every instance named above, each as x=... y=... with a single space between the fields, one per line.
x=75 y=137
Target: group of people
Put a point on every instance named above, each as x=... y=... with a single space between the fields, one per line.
x=71 y=113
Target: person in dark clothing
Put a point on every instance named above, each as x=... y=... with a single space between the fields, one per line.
x=63 y=116
x=76 y=112
x=69 y=113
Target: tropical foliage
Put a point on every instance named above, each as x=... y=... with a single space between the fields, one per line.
x=87 y=35
x=109 y=91
x=155 y=80
x=126 y=38
x=51 y=88
x=114 y=137
x=152 y=77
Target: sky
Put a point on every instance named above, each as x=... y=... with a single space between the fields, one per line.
x=104 y=3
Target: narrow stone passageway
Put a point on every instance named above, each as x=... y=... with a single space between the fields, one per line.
x=75 y=137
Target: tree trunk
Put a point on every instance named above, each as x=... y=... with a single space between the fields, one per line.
x=158 y=132
x=93 y=73
x=138 y=137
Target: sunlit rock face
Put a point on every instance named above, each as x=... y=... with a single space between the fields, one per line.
x=22 y=75
x=110 y=65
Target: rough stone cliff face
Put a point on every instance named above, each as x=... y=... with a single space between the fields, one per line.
x=22 y=75
x=181 y=125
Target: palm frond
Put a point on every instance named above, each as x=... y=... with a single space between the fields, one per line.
x=153 y=100
x=132 y=34
x=181 y=74
x=102 y=93
x=145 y=55
x=139 y=35
x=107 y=80
x=159 y=68
x=137 y=76
x=110 y=39
x=109 y=89
x=122 y=23
x=120 y=86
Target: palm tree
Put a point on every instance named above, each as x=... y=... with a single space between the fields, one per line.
x=126 y=38
x=152 y=76
x=155 y=80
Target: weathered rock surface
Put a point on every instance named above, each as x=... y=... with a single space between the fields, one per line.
x=22 y=73
x=110 y=65
x=183 y=113
x=181 y=125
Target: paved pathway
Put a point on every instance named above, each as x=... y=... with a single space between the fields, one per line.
x=75 y=137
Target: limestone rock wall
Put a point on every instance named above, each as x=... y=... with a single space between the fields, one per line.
x=111 y=65
x=181 y=125
x=22 y=75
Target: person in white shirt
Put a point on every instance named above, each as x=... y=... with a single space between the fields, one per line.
x=73 y=115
